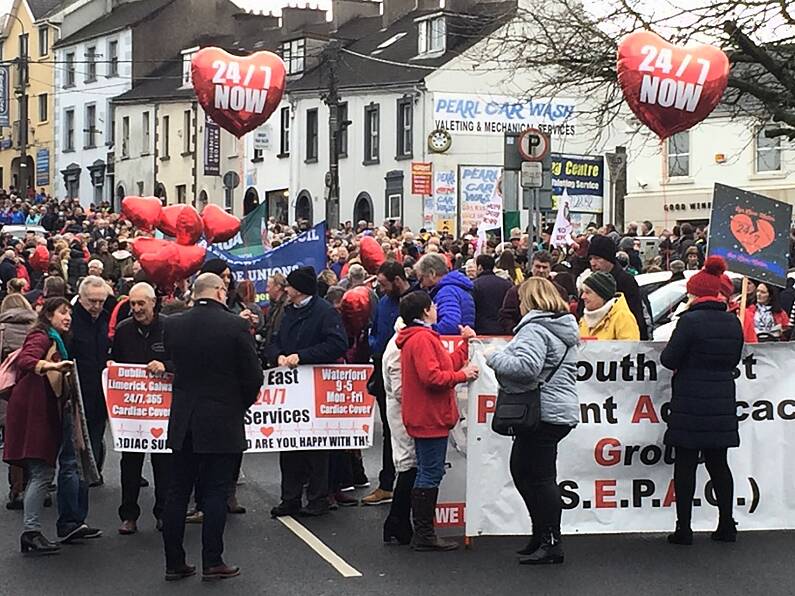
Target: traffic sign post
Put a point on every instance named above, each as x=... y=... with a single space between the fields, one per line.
x=532 y=174
x=534 y=145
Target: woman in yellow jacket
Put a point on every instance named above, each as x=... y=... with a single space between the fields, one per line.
x=607 y=314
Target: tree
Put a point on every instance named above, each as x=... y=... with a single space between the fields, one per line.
x=572 y=51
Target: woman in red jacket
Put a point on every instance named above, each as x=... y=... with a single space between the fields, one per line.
x=765 y=320
x=429 y=376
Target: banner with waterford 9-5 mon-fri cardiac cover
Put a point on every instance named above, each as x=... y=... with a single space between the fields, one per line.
x=614 y=472
x=308 y=407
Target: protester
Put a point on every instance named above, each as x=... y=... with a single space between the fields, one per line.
x=217 y=377
x=429 y=375
x=543 y=352
x=311 y=333
x=766 y=320
x=507 y=263
x=510 y=312
x=451 y=293
x=489 y=293
x=606 y=314
x=704 y=351
x=139 y=340
x=277 y=300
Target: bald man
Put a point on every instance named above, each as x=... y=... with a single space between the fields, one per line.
x=139 y=340
x=217 y=377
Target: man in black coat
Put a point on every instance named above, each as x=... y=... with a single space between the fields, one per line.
x=311 y=333
x=489 y=293
x=217 y=377
x=602 y=257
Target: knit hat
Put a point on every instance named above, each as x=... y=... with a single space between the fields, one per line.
x=602 y=283
x=304 y=280
x=604 y=247
x=217 y=266
x=710 y=281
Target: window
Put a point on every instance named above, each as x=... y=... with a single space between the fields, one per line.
x=679 y=155
x=43 y=107
x=342 y=135
x=187 y=75
x=284 y=137
x=186 y=132
x=1 y=57
x=393 y=206
x=140 y=184
x=311 y=134
x=90 y=125
x=69 y=130
x=229 y=195
x=372 y=139
x=768 y=153
x=182 y=194
x=91 y=64
x=44 y=40
x=125 y=137
x=432 y=36
x=113 y=58
x=165 y=139
x=293 y=53
x=145 y=133
x=70 y=70
x=405 y=127
x=110 y=118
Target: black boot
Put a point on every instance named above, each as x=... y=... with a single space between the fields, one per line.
x=532 y=546
x=398 y=523
x=726 y=532
x=550 y=552
x=423 y=506
x=682 y=535
x=35 y=544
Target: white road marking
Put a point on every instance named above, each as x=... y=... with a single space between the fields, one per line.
x=319 y=547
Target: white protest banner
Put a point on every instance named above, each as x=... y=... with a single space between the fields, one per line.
x=309 y=407
x=481 y=196
x=614 y=471
x=444 y=196
x=561 y=233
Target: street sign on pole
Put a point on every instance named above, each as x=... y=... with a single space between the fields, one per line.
x=532 y=174
x=534 y=145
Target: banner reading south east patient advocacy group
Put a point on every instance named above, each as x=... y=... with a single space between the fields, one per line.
x=309 y=407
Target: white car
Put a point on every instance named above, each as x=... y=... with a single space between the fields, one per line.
x=18 y=231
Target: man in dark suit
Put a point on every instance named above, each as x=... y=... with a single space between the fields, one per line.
x=217 y=377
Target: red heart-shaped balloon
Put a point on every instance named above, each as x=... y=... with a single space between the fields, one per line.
x=238 y=92
x=670 y=88
x=161 y=266
x=143 y=212
x=143 y=245
x=189 y=260
x=182 y=222
x=219 y=226
x=371 y=253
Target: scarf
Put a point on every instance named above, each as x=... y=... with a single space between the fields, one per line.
x=594 y=317
x=53 y=334
x=763 y=319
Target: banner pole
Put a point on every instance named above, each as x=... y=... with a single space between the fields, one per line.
x=743 y=299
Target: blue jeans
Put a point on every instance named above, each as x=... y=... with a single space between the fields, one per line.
x=40 y=475
x=431 y=454
x=72 y=491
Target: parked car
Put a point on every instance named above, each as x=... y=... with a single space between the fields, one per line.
x=19 y=231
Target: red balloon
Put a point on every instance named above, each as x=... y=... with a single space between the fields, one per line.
x=371 y=253
x=219 y=226
x=189 y=260
x=670 y=88
x=182 y=222
x=161 y=266
x=144 y=245
x=238 y=92
x=143 y=212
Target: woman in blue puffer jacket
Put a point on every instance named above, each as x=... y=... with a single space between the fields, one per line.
x=546 y=339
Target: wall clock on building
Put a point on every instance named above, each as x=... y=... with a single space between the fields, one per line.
x=439 y=141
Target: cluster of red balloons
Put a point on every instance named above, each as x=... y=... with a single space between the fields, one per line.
x=168 y=261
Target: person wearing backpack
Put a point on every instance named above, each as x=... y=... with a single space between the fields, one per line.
x=542 y=352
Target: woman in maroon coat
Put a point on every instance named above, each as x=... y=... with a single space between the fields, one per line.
x=34 y=415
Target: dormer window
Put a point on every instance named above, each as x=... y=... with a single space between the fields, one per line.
x=293 y=53
x=187 y=60
x=432 y=36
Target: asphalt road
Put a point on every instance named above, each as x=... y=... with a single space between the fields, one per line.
x=276 y=561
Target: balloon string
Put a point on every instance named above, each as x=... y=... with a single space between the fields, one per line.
x=664 y=167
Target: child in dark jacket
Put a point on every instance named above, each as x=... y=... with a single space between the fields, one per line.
x=429 y=376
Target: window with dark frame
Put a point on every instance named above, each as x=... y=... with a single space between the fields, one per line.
x=91 y=64
x=768 y=153
x=125 y=136
x=372 y=134
x=186 y=131
x=69 y=130
x=44 y=107
x=113 y=58
x=70 y=70
x=405 y=127
x=678 y=147
x=146 y=137
x=90 y=125
x=284 y=137
x=44 y=40
x=165 y=138
x=311 y=134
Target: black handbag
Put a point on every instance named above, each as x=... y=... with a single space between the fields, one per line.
x=520 y=413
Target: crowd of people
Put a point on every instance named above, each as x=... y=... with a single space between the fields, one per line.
x=75 y=298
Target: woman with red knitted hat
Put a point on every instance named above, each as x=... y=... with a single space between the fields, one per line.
x=704 y=352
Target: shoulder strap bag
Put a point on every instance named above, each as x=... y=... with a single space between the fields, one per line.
x=520 y=413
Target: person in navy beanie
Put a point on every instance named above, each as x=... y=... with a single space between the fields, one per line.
x=704 y=352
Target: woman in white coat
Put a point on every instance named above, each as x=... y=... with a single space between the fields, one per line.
x=398 y=523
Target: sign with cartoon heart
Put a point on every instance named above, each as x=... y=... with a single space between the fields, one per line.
x=751 y=232
x=238 y=92
x=670 y=88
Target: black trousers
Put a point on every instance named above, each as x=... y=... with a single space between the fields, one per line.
x=300 y=467
x=340 y=470
x=132 y=465
x=685 y=465
x=214 y=472
x=386 y=478
x=534 y=472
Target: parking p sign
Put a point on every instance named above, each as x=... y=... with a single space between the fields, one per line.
x=534 y=145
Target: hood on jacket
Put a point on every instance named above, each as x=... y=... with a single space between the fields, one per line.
x=408 y=332
x=399 y=324
x=454 y=278
x=563 y=326
x=18 y=315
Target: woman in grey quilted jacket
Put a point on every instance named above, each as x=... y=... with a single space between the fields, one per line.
x=545 y=339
